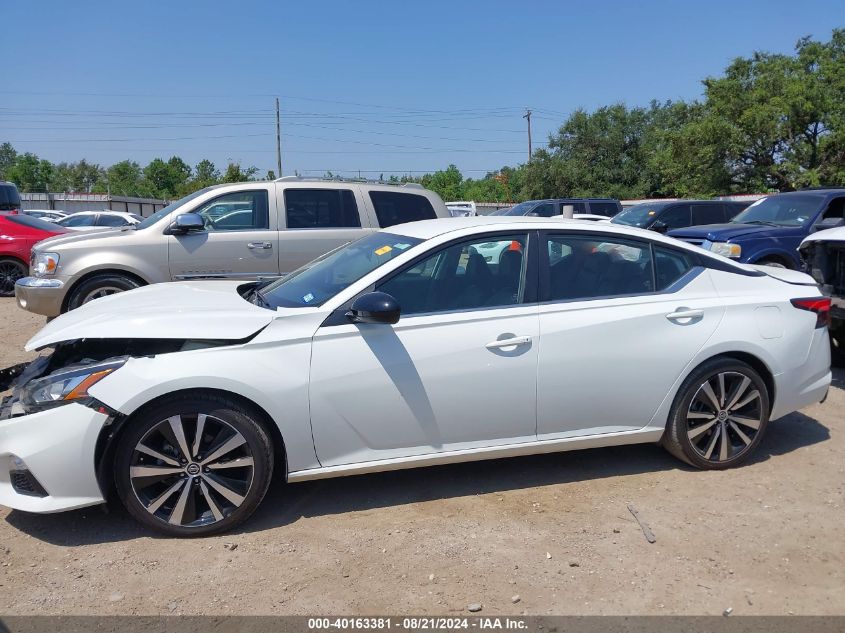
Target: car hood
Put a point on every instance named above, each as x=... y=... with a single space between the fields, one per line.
x=71 y=237
x=206 y=310
x=828 y=235
x=729 y=231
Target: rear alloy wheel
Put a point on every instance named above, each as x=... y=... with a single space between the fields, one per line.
x=194 y=466
x=719 y=415
x=10 y=271
x=99 y=286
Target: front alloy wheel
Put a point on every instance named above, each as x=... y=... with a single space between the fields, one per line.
x=719 y=415
x=194 y=467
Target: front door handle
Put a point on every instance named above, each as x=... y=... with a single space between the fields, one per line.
x=683 y=313
x=260 y=245
x=509 y=342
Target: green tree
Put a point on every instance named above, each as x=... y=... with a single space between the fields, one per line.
x=30 y=173
x=234 y=173
x=8 y=154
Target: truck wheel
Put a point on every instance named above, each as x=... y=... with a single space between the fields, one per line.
x=771 y=261
x=100 y=286
x=10 y=271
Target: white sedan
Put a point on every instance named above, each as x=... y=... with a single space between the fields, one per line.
x=403 y=349
x=98 y=220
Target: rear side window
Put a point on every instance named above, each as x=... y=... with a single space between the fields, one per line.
x=10 y=199
x=577 y=207
x=599 y=266
x=713 y=213
x=321 y=209
x=608 y=209
x=112 y=220
x=395 y=208
x=670 y=266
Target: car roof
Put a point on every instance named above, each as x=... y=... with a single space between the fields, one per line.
x=427 y=229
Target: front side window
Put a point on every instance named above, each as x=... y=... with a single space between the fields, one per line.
x=394 y=208
x=482 y=273
x=545 y=210
x=320 y=280
x=596 y=266
x=321 y=209
x=711 y=213
x=237 y=211
x=640 y=215
x=676 y=217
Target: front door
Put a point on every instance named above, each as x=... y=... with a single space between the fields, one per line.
x=240 y=240
x=619 y=323
x=458 y=371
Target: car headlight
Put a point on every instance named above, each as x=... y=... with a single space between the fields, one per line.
x=44 y=263
x=70 y=384
x=726 y=250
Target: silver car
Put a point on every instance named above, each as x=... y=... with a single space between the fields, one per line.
x=244 y=231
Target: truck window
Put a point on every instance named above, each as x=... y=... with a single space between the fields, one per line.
x=321 y=209
x=395 y=208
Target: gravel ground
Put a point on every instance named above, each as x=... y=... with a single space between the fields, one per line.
x=534 y=535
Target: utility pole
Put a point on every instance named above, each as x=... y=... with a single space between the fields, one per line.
x=527 y=116
x=279 y=141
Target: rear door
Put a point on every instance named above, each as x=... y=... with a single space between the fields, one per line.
x=619 y=321
x=317 y=220
x=240 y=240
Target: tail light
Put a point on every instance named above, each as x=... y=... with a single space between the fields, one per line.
x=819 y=305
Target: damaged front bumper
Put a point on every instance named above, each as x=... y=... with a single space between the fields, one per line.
x=47 y=459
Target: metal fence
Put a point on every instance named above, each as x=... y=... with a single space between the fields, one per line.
x=73 y=202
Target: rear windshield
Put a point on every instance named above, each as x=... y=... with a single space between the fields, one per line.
x=35 y=223
x=10 y=199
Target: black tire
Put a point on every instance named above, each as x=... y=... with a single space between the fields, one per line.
x=105 y=284
x=11 y=270
x=207 y=508
x=685 y=436
x=837 y=343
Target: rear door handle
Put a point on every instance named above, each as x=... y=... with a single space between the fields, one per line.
x=509 y=342
x=260 y=245
x=685 y=314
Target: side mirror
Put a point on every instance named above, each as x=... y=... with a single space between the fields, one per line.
x=660 y=227
x=187 y=223
x=374 y=307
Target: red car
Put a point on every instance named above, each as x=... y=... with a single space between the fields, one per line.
x=18 y=234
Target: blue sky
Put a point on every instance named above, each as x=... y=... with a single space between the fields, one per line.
x=382 y=87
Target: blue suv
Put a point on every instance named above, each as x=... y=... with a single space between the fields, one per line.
x=770 y=230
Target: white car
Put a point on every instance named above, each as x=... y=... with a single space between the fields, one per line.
x=98 y=220
x=45 y=214
x=404 y=349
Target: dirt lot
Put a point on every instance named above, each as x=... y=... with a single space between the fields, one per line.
x=554 y=530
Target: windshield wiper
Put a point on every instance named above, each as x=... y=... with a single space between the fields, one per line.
x=766 y=222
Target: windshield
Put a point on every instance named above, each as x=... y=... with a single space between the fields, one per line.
x=523 y=208
x=780 y=211
x=320 y=280
x=158 y=215
x=639 y=215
